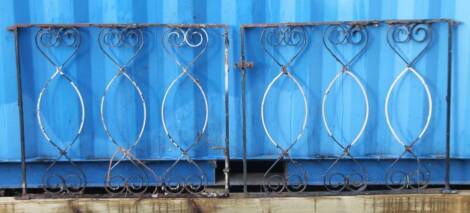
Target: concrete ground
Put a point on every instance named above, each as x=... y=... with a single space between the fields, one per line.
x=442 y=203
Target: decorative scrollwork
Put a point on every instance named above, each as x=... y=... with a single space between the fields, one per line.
x=342 y=35
x=48 y=40
x=137 y=183
x=335 y=35
x=284 y=37
x=181 y=38
x=117 y=39
x=54 y=38
x=173 y=39
x=407 y=34
x=121 y=38
x=397 y=179
x=293 y=182
x=339 y=181
x=290 y=37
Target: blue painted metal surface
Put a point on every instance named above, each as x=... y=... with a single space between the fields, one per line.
x=377 y=141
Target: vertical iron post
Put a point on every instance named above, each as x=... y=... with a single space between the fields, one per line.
x=243 y=71
x=227 y=112
x=20 y=114
x=447 y=189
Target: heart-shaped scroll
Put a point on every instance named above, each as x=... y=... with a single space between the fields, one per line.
x=400 y=34
x=176 y=40
x=284 y=37
x=112 y=40
x=335 y=36
x=55 y=42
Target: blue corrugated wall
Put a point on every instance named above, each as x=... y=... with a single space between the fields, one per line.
x=376 y=142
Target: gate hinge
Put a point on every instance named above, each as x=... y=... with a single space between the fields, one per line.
x=244 y=65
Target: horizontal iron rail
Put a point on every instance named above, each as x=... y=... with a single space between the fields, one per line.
x=360 y=22
x=80 y=25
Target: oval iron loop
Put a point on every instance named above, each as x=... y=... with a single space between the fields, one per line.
x=141 y=97
x=387 y=103
x=59 y=72
x=164 y=101
x=366 y=103
x=263 y=120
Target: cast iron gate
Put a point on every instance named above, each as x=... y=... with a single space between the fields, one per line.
x=168 y=59
x=125 y=172
x=269 y=54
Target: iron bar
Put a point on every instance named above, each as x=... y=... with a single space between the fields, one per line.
x=447 y=186
x=24 y=185
x=143 y=25
x=363 y=23
x=227 y=113
x=244 y=142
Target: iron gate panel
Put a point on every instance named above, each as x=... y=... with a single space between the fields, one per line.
x=312 y=131
x=144 y=107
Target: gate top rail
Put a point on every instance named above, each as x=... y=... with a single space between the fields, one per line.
x=360 y=22
x=129 y=25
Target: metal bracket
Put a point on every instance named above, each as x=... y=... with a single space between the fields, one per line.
x=243 y=65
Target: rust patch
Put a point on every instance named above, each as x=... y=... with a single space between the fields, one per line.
x=72 y=207
x=194 y=207
x=417 y=203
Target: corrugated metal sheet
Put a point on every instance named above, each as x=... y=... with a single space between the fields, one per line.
x=376 y=142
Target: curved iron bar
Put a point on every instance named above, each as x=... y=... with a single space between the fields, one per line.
x=185 y=38
x=130 y=38
x=47 y=39
x=398 y=34
x=336 y=35
x=287 y=37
